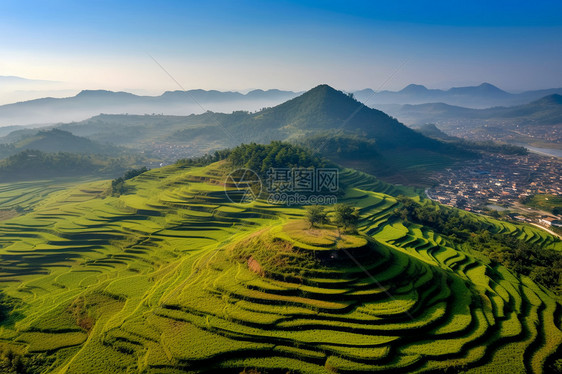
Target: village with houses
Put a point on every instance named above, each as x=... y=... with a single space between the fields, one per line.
x=501 y=183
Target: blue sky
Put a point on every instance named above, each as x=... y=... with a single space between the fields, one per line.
x=238 y=45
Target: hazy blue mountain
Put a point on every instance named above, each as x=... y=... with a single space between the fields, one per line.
x=544 y=111
x=8 y=129
x=89 y=103
x=485 y=95
x=483 y=90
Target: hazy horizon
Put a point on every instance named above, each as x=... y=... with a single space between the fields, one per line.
x=8 y=96
x=286 y=45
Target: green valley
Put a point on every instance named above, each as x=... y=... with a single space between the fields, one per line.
x=171 y=276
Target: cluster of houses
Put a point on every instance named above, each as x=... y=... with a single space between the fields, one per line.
x=550 y=221
x=498 y=182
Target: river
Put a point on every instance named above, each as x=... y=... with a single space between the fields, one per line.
x=544 y=151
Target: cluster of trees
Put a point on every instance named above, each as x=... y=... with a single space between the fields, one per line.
x=345 y=216
x=449 y=222
x=317 y=215
x=260 y=158
x=542 y=265
x=206 y=159
x=118 y=185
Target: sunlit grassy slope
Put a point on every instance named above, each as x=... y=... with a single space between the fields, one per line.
x=173 y=277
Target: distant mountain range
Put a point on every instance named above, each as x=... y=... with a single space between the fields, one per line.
x=11 y=79
x=537 y=124
x=90 y=103
x=544 y=111
x=485 y=95
x=330 y=121
x=320 y=110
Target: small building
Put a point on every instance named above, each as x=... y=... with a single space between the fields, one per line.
x=547 y=221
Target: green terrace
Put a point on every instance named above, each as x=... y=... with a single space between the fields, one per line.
x=173 y=277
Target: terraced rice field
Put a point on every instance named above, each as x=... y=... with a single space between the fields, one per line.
x=165 y=280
